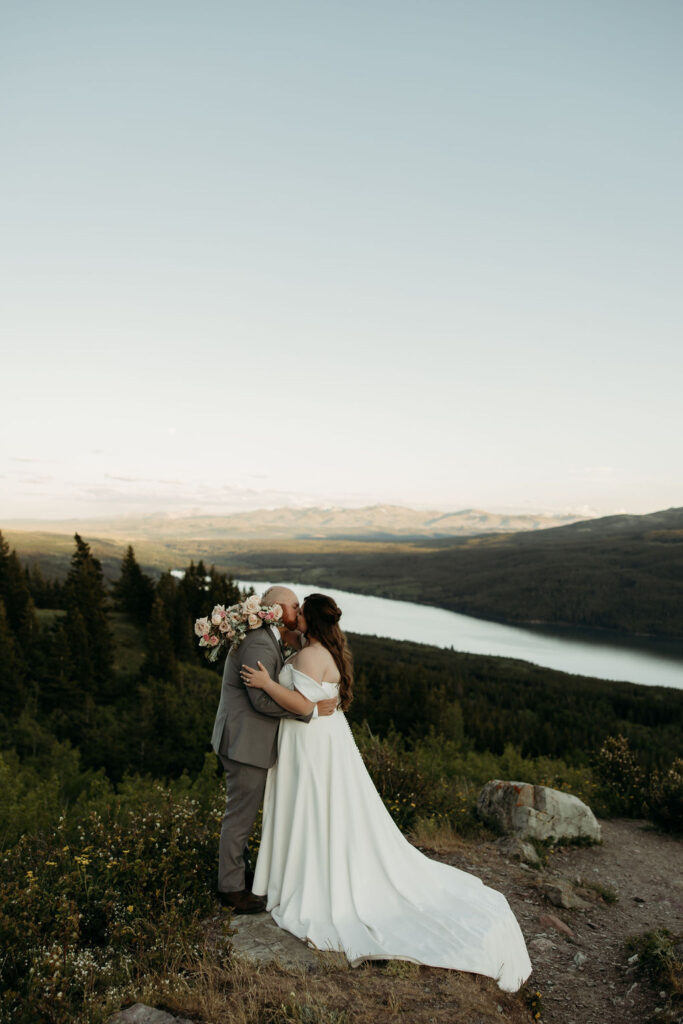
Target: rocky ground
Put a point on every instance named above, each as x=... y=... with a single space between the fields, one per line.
x=578 y=951
x=576 y=912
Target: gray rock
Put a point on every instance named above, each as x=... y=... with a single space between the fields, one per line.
x=561 y=894
x=536 y=812
x=516 y=849
x=549 y=920
x=580 y=959
x=141 y=1014
x=259 y=938
x=542 y=944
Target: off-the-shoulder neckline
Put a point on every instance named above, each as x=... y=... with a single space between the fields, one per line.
x=306 y=676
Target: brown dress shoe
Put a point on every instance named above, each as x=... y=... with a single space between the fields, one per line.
x=243 y=902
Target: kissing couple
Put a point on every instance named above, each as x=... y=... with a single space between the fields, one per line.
x=333 y=868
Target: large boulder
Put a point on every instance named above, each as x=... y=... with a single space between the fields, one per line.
x=536 y=812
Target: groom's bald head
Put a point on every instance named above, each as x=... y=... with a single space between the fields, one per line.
x=278 y=595
x=287 y=600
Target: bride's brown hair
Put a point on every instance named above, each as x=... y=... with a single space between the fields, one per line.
x=322 y=616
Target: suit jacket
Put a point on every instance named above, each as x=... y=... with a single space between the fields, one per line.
x=247 y=719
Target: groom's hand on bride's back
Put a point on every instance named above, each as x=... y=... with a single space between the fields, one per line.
x=327 y=707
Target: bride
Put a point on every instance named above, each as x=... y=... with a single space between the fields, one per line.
x=336 y=870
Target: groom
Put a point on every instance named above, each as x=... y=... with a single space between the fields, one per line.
x=245 y=740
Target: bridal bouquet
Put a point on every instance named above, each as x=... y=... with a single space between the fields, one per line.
x=229 y=626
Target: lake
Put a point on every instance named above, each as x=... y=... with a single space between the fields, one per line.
x=638 y=661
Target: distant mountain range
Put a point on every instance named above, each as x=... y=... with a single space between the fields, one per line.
x=374 y=522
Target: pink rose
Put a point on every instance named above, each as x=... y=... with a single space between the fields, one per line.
x=277 y=611
x=213 y=640
x=253 y=621
x=202 y=626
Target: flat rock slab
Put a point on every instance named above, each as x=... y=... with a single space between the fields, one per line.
x=142 y=1014
x=258 y=937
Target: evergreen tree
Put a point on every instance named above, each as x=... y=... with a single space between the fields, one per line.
x=4 y=569
x=12 y=673
x=134 y=591
x=59 y=692
x=14 y=590
x=45 y=593
x=90 y=640
x=203 y=589
x=160 y=660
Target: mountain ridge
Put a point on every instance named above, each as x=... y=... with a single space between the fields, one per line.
x=333 y=522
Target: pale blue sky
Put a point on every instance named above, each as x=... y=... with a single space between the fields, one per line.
x=256 y=253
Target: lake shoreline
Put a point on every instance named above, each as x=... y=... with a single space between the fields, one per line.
x=599 y=633
x=573 y=651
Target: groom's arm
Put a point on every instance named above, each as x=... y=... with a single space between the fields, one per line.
x=262 y=650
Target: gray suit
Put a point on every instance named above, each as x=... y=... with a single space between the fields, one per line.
x=245 y=739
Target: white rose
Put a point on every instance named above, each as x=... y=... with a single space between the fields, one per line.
x=202 y=626
x=277 y=612
x=252 y=604
x=253 y=621
x=218 y=614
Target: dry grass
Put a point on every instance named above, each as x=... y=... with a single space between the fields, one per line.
x=431 y=834
x=219 y=989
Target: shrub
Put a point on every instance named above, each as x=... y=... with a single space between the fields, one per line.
x=622 y=777
x=666 y=797
x=91 y=909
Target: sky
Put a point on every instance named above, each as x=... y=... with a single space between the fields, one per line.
x=323 y=252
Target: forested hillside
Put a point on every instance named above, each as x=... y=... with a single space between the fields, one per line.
x=119 y=675
x=622 y=573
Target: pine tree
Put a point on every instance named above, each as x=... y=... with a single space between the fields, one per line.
x=4 y=568
x=60 y=692
x=133 y=590
x=160 y=661
x=90 y=640
x=12 y=676
x=14 y=590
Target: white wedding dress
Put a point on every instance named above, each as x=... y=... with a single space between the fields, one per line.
x=338 y=872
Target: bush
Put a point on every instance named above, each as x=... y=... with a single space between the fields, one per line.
x=95 y=906
x=666 y=798
x=627 y=789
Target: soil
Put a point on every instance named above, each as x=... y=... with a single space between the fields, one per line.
x=585 y=977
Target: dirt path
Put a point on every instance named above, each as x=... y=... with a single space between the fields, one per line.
x=584 y=977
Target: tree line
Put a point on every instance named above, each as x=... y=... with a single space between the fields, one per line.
x=118 y=673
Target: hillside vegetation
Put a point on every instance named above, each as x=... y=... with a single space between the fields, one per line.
x=110 y=824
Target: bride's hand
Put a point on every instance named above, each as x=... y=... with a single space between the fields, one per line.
x=255 y=677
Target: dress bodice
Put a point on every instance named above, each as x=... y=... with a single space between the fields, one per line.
x=293 y=679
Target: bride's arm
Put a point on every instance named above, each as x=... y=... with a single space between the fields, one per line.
x=291 y=700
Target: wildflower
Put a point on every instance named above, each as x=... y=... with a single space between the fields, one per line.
x=130 y=908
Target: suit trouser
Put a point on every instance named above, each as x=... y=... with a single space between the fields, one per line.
x=245 y=785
